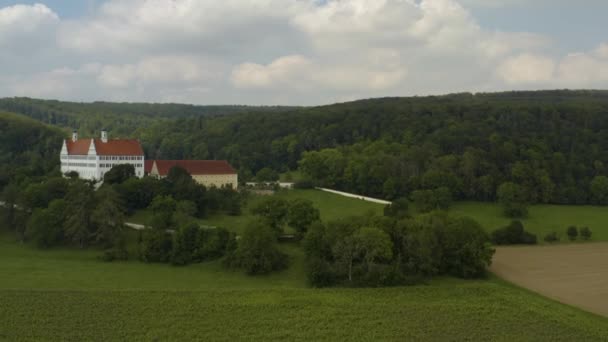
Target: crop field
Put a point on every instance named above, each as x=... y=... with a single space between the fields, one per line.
x=67 y=294
x=576 y=274
x=542 y=219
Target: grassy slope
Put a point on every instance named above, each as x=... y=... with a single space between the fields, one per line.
x=542 y=219
x=68 y=294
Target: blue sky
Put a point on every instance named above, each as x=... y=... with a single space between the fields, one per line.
x=297 y=51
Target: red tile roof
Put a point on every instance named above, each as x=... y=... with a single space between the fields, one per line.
x=119 y=147
x=78 y=147
x=148 y=165
x=114 y=147
x=196 y=167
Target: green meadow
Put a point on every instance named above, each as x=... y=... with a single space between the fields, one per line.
x=68 y=294
x=542 y=219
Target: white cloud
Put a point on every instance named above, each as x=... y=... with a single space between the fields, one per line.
x=527 y=68
x=277 y=51
x=25 y=28
x=169 y=69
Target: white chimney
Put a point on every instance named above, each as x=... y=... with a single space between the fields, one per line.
x=104 y=136
x=74 y=135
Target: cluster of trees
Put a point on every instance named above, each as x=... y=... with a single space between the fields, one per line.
x=62 y=211
x=385 y=251
x=56 y=210
x=258 y=251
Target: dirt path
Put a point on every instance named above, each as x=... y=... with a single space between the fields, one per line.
x=575 y=274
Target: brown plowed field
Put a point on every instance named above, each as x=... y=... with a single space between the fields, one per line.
x=575 y=274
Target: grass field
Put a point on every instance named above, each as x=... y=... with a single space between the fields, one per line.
x=69 y=295
x=331 y=206
x=542 y=219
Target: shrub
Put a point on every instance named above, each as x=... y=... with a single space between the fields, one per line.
x=551 y=237
x=513 y=234
x=585 y=233
x=572 y=233
x=156 y=246
x=529 y=239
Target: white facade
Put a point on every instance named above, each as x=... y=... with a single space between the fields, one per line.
x=89 y=164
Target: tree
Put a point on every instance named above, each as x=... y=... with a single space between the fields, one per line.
x=466 y=248
x=45 y=226
x=10 y=197
x=599 y=190
x=374 y=244
x=345 y=251
x=79 y=207
x=274 y=210
x=572 y=233
x=267 y=175
x=109 y=217
x=184 y=244
x=428 y=200
x=397 y=209
x=118 y=174
x=163 y=210
x=551 y=237
x=301 y=214
x=512 y=198
x=155 y=246
x=257 y=251
x=585 y=233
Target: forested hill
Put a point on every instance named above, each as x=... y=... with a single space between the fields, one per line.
x=121 y=118
x=547 y=146
x=551 y=145
x=27 y=148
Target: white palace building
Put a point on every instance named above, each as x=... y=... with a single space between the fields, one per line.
x=92 y=158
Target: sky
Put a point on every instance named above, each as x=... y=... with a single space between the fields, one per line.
x=296 y=52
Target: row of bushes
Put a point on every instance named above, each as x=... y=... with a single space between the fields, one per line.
x=572 y=232
x=515 y=234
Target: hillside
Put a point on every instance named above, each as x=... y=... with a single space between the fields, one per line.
x=28 y=148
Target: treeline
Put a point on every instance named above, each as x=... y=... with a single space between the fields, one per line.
x=121 y=119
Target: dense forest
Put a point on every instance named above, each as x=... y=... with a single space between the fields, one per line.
x=548 y=147
x=537 y=147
